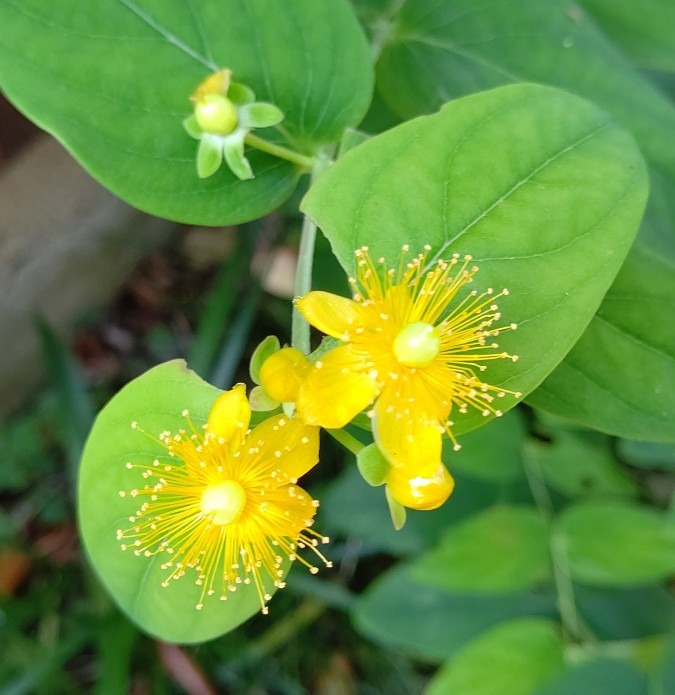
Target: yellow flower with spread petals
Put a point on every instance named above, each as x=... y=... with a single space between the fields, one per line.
x=411 y=343
x=228 y=508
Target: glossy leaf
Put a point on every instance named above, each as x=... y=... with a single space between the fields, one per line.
x=613 y=544
x=499 y=550
x=521 y=654
x=551 y=222
x=156 y=401
x=434 y=52
x=112 y=81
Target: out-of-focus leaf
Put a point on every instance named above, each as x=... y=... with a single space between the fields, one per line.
x=494 y=454
x=522 y=655
x=400 y=612
x=615 y=544
x=647 y=454
x=598 y=677
x=499 y=550
x=578 y=464
x=626 y=614
x=643 y=30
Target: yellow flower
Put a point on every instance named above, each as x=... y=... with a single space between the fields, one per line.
x=411 y=345
x=228 y=507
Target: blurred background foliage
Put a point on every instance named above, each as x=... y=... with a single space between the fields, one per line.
x=549 y=572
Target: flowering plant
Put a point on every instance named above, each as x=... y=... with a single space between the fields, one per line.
x=475 y=250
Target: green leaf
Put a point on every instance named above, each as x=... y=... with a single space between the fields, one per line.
x=112 y=81
x=550 y=157
x=614 y=544
x=396 y=510
x=597 y=677
x=499 y=550
x=642 y=30
x=399 y=612
x=435 y=51
x=494 y=454
x=372 y=465
x=620 y=376
x=647 y=454
x=209 y=155
x=156 y=401
x=510 y=659
x=579 y=464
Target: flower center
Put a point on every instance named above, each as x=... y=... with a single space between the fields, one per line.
x=215 y=113
x=223 y=502
x=417 y=345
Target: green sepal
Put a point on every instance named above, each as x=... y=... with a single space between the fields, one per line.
x=372 y=465
x=240 y=94
x=261 y=354
x=397 y=511
x=261 y=401
x=233 y=149
x=192 y=127
x=209 y=156
x=260 y=115
x=326 y=345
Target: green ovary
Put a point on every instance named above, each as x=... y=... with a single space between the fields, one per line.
x=417 y=345
x=223 y=502
x=216 y=114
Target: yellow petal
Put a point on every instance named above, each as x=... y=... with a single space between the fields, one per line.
x=230 y=416
x=420 y=492
x=216 y=83
x=333 y=315
x=282 y=373
x=287 y=444
x=337 y=388
x=404 y=435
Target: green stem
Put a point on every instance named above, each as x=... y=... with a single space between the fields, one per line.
x=303 y=275
x=285 y=629
x=571 y=620
x=348 y=442
x=279 y=151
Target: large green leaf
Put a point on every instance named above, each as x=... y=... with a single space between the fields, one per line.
x=510 y=659
x=111 y=80
x=156 y=401
x=614 y=544
x=499 y=550
x=436 y=51
x=540 y=187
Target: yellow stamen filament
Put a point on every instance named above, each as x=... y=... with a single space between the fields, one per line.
x=230 y=515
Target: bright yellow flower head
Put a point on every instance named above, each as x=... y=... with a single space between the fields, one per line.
x=413 y=344
x=228 y=507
